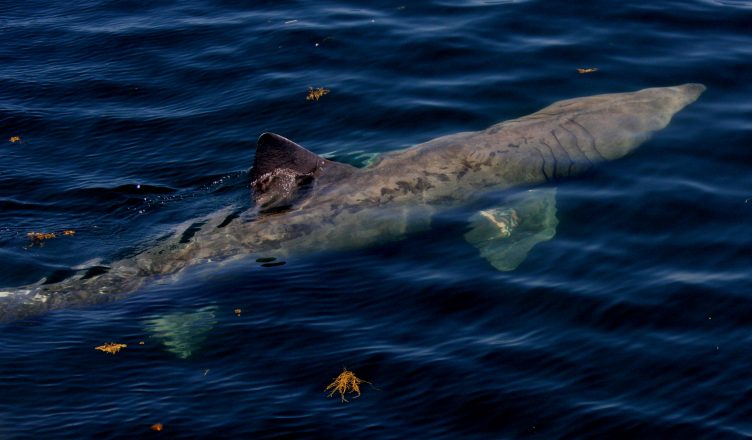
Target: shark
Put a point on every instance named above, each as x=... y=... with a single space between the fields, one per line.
x=304 y=203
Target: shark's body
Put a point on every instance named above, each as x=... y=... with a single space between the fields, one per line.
x=334 y=206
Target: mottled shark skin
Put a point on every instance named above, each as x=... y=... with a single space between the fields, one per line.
x=322 y=205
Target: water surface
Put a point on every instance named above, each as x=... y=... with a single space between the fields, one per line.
x=135 y=117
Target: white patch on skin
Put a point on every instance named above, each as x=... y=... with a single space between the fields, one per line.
x=505 y=222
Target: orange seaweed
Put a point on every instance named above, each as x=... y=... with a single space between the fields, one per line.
x=316 y=94
x=346 y=382
x=111 y=347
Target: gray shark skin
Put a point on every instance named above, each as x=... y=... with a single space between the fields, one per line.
x=315 y=204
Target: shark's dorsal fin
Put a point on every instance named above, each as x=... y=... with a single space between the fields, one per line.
x=275 y=152
x=282 y=167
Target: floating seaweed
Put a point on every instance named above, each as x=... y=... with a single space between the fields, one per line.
x=15 y=139
x=346 y=382
x=157 y=427
x=111 y=347
x=37 y=238
x=316 y=94
x=587 y=70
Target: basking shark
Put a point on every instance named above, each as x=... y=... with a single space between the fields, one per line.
x=305 y=203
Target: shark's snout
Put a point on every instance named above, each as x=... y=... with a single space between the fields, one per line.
x=692 y=89
x=687 y=93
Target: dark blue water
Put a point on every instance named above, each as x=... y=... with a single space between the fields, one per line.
x=135 y=116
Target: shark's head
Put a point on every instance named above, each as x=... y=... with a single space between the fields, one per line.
x=621 y=122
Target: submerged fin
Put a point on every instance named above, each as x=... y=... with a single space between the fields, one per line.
x=505 y=235
x=183 y=333
x=282 y=168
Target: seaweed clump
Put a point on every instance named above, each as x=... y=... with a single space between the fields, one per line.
x=316 y=94
x=38 y=238
x=111 y=347
x=346 y=382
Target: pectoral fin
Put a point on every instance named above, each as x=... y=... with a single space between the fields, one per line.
x=505 y=235
x=182 y=333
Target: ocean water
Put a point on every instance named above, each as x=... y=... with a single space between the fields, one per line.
x=635 y=321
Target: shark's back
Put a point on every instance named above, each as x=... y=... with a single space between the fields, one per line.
x=559 y=141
